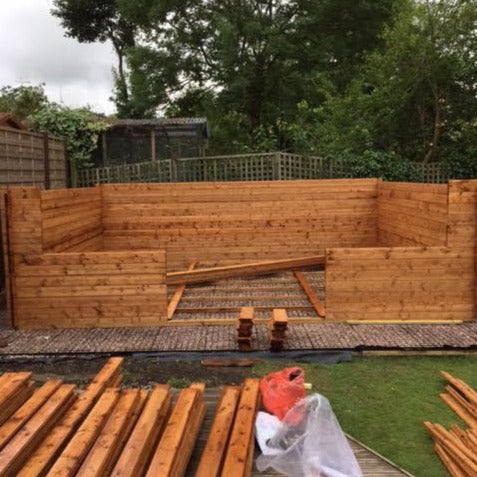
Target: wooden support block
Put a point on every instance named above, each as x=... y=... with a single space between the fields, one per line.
x=175 y=447
x=107 y=447
x=257 y=268
x=213 y=455
x=47 y=452
x=279 y=319
x=18 y=449
x=245 y=328
x=27 y=410
x=143 y=440
x=78 y=447
x=277 y=326
x=312 y=297
x=176 y=298
x=237 y=459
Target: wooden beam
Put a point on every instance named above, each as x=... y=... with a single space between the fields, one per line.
x=214 y=451
x=256 y=268
x=307 y=288
x=176 y=298
x=237 y=459
x=143 y=440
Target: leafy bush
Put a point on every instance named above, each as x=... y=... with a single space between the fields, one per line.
x=382 y=165
x=80 y=128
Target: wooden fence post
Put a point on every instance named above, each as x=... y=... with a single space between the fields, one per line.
x=46 y=159
x=276 y=167
x=68 y=170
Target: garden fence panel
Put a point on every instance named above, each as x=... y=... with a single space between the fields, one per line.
x=240 y=167
x=32 y=159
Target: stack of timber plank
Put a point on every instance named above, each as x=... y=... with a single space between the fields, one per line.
x=231 y=441
x=105 y=430
x=277 y=327
x=245 y=328
x=457 y=447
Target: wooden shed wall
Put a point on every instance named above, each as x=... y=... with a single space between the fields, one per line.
x=72 y=220
x=240 y=222
x=91 y=289
x=411 y=283
x=399 y=283
x=412 y=214
x=77 y=289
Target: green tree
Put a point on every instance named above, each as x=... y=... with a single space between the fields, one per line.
x=22 y=101
x=99 y=20
x=416 y=96
x=256 y=58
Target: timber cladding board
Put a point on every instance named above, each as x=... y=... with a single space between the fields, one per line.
x=72 y=220
x=91 y=289
x=399 y=283
x=412 y=214
x=240 y=222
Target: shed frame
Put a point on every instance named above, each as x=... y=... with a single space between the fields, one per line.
x=99 y=256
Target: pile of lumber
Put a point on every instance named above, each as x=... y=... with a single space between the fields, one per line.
x=277 y=327
x=245 y=329
x=57 y=430
x=457 y=447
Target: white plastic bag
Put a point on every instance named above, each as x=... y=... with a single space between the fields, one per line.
x=308 y=442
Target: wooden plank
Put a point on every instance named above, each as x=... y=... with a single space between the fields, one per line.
x=236 y=461
x=138 y=450
x=107 y=447
x=27 y=410
x=176 y=444
x=47 y=452
x=258 y=268
x=18 y=449
x=12 y=393
x=176 y=298
x=78 y=447
x=213 y=455
x=307 y=288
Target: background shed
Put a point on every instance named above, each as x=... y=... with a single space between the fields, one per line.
x=128 y=141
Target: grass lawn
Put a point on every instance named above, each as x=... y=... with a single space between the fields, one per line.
x=383 y=401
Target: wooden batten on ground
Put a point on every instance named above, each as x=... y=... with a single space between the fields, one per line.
x=314 y=300
x=213 y=455
x=176 y=298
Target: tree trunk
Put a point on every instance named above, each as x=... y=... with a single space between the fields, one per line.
x=436 y=134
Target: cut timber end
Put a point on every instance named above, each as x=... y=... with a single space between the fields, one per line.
x=257 y=268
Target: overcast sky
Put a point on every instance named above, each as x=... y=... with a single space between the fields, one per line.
x=33 y=50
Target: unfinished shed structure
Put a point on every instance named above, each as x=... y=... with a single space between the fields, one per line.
x=103 y=256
